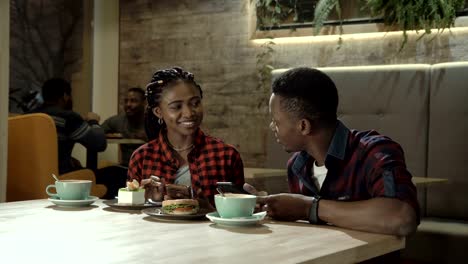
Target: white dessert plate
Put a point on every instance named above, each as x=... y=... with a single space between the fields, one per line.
x=123 y=206
x=73 y=203
x=236 y=221
x=157 y=213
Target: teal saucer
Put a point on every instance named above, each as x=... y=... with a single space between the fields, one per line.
x=236 y=221
x=73 y=203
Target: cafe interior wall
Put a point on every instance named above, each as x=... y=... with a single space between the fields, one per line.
x=212 y=39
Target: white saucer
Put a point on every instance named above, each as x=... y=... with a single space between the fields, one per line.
x=73 y=203
x=237 y=221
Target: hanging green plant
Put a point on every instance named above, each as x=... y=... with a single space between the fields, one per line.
x=416 y=14
x=403 y=15
x=322 y=11
x=271 y=13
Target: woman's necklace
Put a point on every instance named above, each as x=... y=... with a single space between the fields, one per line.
x=178 y=149
x=181 y=149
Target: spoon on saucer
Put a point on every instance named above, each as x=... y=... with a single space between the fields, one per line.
x=55 y=177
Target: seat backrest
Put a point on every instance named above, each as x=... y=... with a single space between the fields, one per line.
x=32 y=156
x=448 y=141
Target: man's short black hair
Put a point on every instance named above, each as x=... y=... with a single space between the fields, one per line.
x=308 y=93
x=138 y=90
x=54 y=89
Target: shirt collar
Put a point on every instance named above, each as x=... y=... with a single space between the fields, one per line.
x=336 y=149
x=339 y=141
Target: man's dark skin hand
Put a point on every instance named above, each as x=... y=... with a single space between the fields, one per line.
x=286 y=206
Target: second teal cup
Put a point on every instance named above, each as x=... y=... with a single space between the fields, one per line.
x=233 y=205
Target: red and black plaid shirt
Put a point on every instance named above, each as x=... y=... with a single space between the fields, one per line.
x=210 y=161
x=361 y=165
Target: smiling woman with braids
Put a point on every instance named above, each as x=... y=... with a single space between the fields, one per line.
x=178 y=151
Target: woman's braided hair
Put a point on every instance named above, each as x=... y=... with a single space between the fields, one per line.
x=160 y=81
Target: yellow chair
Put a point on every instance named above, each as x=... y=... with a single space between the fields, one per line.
x=33 y=157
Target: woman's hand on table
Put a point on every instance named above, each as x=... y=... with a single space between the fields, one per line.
x=154 y=188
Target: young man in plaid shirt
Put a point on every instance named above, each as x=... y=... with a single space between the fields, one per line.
x=343 y=177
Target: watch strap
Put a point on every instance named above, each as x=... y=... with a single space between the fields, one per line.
x=313 y=214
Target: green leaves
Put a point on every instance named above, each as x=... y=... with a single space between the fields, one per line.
x=416 y=14
x=322 y=11
x=405 y=15
x=270 y=12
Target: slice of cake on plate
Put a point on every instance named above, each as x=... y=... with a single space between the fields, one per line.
x=132 y=194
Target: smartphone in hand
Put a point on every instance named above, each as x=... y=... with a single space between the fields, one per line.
x=229 y=187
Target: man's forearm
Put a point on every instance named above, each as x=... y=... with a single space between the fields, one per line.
x=378 y=215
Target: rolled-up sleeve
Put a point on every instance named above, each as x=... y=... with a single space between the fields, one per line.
x=389 y=176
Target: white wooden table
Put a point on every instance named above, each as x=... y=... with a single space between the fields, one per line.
x=39 y=232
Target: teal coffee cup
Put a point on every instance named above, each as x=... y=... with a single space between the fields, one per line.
x=71 y=189
x=233 y=205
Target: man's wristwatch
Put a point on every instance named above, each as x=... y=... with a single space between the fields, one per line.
x=313 y=214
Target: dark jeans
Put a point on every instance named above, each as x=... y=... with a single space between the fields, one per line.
x=113 y=177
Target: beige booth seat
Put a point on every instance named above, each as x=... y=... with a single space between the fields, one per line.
x=442 y=236
x=448 y=140
x=424 y=108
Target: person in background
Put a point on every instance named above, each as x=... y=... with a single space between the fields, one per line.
x=343 y=177
x=129 y=124
x=71 y=127
x=179 y=151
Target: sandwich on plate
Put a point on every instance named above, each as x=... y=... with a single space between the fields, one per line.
x=180 y=206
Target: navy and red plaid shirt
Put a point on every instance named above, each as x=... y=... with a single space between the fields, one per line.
x=361 y=166
x=210 y=161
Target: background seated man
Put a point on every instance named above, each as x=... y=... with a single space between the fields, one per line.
x=344 y=177
x=71 y=127
x=129 y=124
